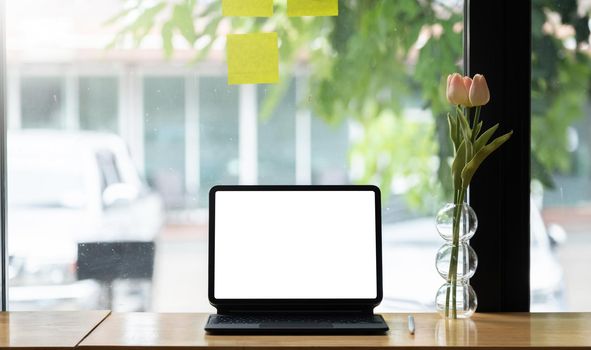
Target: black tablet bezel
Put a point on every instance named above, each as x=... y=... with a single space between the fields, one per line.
x=294 y=304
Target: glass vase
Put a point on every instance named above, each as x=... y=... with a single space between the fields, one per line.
x=456 y=261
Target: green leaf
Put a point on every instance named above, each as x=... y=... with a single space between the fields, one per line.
x=120 y=15
x=453 y=130
x=469 y=149
x=471 y=168
x=457 y=166
x=476 y=131
x=467 y=136
x=483 y=139
x=210 y=30
x=167 y=32
x=182 y=15
x=142 y=25
x=465 y=127
x=114 y=42
x=212 y=26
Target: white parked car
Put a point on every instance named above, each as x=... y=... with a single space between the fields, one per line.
x=67 y=188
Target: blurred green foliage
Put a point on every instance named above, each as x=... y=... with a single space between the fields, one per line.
x=561 y=76
x=377 y=64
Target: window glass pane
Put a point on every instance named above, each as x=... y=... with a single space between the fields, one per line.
x=98 y=103
x=561 y=156
x=42 y=103
x=330 y=144
x=164 y=128
x=218 y=134
x=136 y=127
x=276 y=138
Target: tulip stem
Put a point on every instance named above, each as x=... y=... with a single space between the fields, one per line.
x=453 y=262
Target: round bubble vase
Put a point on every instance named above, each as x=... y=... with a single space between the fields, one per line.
x=456 y=261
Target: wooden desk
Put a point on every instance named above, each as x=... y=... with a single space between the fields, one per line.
x=555 y=331
x=47 y=330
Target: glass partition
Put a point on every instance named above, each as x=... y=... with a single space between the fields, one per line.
x=121 y=115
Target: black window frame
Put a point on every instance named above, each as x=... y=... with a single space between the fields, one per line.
x=497 y=39
x=498 y=45
x=3 y=133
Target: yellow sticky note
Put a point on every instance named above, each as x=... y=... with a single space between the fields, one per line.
x=247 y=8
x=252 y=58
x=297 y=8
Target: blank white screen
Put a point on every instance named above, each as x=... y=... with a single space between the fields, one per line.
x=295 y=245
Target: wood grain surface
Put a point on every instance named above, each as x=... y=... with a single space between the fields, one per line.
x=487 y=331
x=47 y=330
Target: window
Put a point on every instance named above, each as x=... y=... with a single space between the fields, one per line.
x=104 y=103
x=561 y=156
x=499 y=193
x=164 y=140
x=276 y=136
x=42 y=103
x=330 y=143
x=219 y=115
x=99 y=108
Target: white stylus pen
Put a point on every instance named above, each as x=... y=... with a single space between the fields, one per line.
x=411 y=324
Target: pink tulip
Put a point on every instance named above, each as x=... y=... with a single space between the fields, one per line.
x=457 y=93
x=467 y=92
x=467 y=83
x=479 y=94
